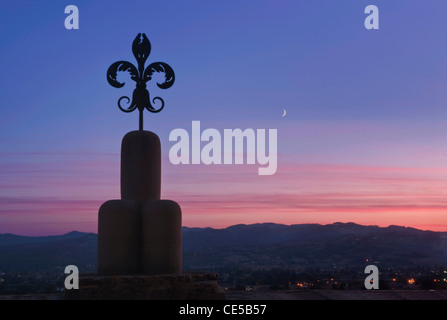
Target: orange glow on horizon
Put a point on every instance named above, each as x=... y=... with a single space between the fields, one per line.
x=224 y=196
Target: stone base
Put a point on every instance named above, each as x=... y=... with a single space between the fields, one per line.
x=186 y=286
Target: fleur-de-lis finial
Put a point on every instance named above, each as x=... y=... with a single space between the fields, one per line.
x=141 y=48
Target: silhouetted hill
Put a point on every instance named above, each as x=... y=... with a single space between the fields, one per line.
x=47 y=253
x=311 y=245
x=266 y=245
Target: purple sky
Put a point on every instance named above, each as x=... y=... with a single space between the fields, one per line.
x=364 y=138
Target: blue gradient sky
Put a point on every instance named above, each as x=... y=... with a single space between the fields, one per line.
x=364 y=139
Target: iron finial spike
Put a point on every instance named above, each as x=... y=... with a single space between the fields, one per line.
x=141 y=48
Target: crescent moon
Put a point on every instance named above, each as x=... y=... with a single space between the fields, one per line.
x=284 y=112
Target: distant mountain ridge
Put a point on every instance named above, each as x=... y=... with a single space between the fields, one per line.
x=48 y=253
x=255 y=245
x=269 y=233
x=312 y=246
x=13 y=239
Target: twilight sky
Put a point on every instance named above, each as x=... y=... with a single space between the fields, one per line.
x=364 y=139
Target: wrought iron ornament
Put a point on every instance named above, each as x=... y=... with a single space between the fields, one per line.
x=141 y=48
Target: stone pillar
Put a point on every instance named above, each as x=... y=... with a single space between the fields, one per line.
x=119 y=237
x=140 y=234
x=161 y=222
x=140 y=166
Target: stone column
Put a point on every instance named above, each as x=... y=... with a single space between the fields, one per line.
x=140 y=234
x=140 y=166
x=162 y=237
x=118 y=238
